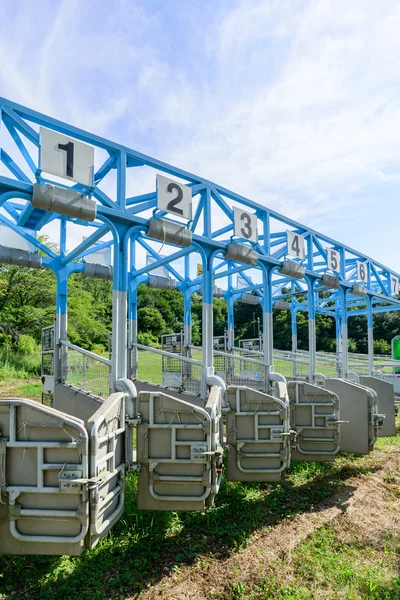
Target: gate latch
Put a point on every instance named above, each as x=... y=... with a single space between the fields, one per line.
x=70 y=481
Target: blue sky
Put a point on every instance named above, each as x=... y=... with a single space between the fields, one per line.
x=294 y=104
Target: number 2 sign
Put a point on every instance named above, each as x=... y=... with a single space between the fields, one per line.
x=245 y=224
x=174 y=197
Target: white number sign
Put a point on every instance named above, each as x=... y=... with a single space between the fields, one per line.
x=394 y=285
x=174 y=197
x=163 y=271
x=333 y=260
x=65 y=157
x=362 y=271
x=295 y=243
x=245 y=224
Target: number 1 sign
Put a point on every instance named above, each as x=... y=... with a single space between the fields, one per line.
x=174 y=197
x=65 y=157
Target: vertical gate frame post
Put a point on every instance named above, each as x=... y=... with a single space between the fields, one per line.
x=339 y=339
x=293 y=312
x=312 y=343
x=268 y=335
x=345 y=332
x=370 y=324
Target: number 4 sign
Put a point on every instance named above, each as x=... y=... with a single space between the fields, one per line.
x=295 y=243
x=174 y=197
x=245 y=225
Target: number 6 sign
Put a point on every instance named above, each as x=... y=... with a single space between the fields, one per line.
x=362 y=271
x=174 y=197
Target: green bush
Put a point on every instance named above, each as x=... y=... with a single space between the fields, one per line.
x=99 y=349
x=18 y=365
x=148 y=339
x=382 y=347
x=26 y=344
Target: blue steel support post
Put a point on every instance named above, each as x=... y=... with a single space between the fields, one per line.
x=267 y=325
x=293 y=312
x=132 y=316
x=207 y=322
x=133 y=330
x=231 y=322
x=345 y=333
x=370 y=323
x=120 y=283
x=61 y=324
x=187 y=318
x=312 y=344
x=339 y=342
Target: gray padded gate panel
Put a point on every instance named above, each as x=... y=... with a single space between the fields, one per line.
x=258 y=434
x=355 y=413
x=179 y=453
x=107 y=467
x=375 y=420
x=44 y=508
x=314 y=416
x=385 y=391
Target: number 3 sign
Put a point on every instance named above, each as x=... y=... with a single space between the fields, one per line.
x=245 y=224
x=174 y=197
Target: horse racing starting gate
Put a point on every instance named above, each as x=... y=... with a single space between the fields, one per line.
x=179 y=416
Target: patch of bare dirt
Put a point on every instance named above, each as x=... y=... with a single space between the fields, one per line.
x=367 y=506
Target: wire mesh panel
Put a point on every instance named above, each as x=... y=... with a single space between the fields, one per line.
x=48 y=350
x=172 y=367
x=86 y=373
x=221 y=364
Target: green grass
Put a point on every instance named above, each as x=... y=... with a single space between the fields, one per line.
x=326 y=566
x=145 y=545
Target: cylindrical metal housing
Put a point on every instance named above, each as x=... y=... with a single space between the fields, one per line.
x=170 y=233
x=292 y=269
x=63 y=202
x=330 y=281
x=98 y=271
x=242 y=254
x=162 y=283
x=249 y=299
x=22 y=258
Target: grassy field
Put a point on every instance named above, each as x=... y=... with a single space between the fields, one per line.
x=145 y=547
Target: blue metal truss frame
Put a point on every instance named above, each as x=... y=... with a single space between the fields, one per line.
x=126 y=218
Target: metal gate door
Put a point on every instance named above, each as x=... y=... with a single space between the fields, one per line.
x=107 y=467
x=315 y=419
x=179 y=453
x=61 y=482
x=44 y=507
x=258 y=433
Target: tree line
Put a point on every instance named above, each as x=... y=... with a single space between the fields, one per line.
x=27 y=303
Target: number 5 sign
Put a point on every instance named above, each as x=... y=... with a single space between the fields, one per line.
x=245 y=224
x=174 y=197
x=333 y=260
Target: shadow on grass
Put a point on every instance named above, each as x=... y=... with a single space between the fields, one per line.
x=145 y=546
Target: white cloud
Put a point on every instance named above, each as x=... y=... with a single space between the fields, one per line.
x=292 y=104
